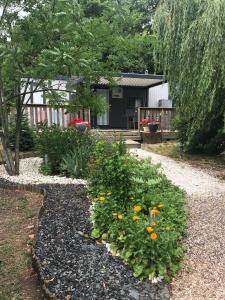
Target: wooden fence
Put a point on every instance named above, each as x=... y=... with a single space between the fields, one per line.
x=164 y=115
x=42 y=113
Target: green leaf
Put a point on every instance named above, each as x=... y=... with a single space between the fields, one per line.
x=95 y=233
x=138 y=269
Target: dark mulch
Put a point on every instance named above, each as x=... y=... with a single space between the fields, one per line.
x=74 y=266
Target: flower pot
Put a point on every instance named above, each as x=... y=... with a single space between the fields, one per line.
x=153 y=127
x=146 y=128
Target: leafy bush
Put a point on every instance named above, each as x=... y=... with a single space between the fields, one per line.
x=138 y=211
x=65 y=151
x=27 y=136
x=76 y=162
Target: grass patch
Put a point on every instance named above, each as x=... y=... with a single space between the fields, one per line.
x=18 y=211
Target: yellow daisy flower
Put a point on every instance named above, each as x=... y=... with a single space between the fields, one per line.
x=135 y=218
x=150 y=229
x=153 y=236
x=137 y=208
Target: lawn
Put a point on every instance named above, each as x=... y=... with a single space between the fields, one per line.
x=215 y=165
x=17 y=218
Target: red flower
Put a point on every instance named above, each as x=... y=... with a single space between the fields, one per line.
x=78 y=122
x=149 y=121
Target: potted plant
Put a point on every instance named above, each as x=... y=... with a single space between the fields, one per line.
x=150 y=125
x=153 y=125
x=80 y=124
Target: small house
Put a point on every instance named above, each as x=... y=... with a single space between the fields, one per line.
x=131 y=92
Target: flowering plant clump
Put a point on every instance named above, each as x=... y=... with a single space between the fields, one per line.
x=146 y=122
x=142 y=216
x=78 y=121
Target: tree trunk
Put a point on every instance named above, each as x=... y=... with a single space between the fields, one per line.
x=19 y=114
x=7 y=156
x=17 y=147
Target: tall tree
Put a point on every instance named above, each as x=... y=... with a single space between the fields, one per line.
x=40 y=40
x=190 y=44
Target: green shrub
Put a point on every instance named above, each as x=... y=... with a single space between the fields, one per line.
x=27 y=136
x=76 y=162
x=112 y=170
x=138 y=211
x=65 y=151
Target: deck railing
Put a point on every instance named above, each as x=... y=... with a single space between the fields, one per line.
x=164 y=115
x=42 y=113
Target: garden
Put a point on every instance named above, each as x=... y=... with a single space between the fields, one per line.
x=95 y=220
x=124 y=209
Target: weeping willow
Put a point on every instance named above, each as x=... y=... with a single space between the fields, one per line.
x=190 y=49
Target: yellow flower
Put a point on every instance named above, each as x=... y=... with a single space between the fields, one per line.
x=102 y=194
x=153 y=236
x=155 y=211
x=137 y=208
x=161 y=205
x=135 y=218
x=150 y=229
x=101 y=198
x=109 y=193
x=153 y=223
x=115 y=215
x=96 y=198
x=120 y=217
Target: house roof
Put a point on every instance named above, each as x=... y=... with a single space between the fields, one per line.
x=134 y=80
x=124 y=79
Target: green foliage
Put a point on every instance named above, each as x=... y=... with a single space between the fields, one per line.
x=76 y=162
x=190 y=39
x=27 y=136
x=128 y=196
x=112 y=170
x=65 y=151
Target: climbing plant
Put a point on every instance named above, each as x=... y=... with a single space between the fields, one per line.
x=189 y=48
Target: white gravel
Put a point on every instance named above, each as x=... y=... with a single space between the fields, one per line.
x=192 y=180
x=29 y=174
x=202 y=276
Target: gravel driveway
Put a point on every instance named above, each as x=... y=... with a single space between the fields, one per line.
x=203 y=272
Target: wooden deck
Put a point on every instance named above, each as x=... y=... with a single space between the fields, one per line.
x=115 y=134
x=42 y=113
x=164 y=115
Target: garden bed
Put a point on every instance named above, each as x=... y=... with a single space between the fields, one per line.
x=74 y=266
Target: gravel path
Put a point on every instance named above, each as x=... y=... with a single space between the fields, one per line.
x=29 y=174
x=203 y=272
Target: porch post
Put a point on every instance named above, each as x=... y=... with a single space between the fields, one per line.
x=139 y=118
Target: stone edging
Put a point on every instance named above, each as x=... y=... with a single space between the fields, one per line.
x=35 y=261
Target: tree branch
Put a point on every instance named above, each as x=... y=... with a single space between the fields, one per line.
x=4 y=11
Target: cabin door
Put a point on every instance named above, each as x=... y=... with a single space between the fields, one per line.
x=103 y=119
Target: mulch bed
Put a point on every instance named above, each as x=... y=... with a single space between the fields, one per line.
x=75 y=266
